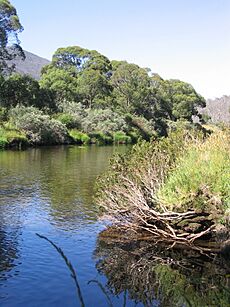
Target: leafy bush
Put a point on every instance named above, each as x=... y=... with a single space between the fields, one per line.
x=70 y=121
x=183 y=172
x=39 y=128
x=72 y=108
x=105 y=121
x=100 y=138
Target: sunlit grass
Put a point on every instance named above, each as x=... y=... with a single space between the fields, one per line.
x=205 y=166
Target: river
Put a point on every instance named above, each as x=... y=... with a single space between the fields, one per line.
x=49 y=191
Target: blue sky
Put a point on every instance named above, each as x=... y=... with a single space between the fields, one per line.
x=181 y=39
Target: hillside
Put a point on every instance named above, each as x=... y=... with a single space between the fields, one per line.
x=218 y=109
x=32 y=65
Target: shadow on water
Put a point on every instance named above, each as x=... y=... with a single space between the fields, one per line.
x=155 y=275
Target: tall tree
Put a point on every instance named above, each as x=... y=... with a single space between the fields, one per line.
x=87 y=72
x=131 y=86
x=180 y=99
x=10 y=26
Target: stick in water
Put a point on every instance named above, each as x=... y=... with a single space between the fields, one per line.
x=69 y=265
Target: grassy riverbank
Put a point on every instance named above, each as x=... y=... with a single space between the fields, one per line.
x=177 y=188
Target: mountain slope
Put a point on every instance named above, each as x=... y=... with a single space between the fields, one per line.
x=218 y=109
x=32 y=65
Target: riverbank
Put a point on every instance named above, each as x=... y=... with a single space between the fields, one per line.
x=176 y=189
x=11 y=137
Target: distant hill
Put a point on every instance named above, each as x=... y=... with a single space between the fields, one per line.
x=32 y=65
x=218 y=109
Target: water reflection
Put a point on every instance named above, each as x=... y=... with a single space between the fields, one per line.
x=57 y=180
x=157 y=276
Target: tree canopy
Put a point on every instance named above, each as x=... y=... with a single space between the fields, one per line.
x=10 y=26
x=78 y=74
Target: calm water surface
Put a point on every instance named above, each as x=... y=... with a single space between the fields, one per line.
x=49 y=191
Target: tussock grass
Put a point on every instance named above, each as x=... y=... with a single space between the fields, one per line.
x=200 y=175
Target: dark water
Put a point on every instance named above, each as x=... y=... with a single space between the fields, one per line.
x=49 y=191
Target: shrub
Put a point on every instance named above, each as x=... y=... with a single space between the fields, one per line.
x=39 y=128
x=11 y=137
x=72 y=108
x=179 y=184
x=70 y=121
x=105 y=121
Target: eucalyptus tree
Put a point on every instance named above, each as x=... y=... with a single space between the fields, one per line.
x=132 y=87
x=180 y=99
x=78 y=74
x=10 y=27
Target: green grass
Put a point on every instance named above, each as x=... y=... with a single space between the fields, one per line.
x=79 y=137
x=100 y=138
x=10 y=136
x=201 y=176
x=121 y=138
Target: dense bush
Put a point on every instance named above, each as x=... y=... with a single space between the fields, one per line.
x=100 y=138
x=39 y=128
x=185 y=173
x=70 y=121
x=120 y=137
x=105 y=121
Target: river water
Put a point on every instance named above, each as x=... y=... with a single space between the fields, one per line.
x=49 y=191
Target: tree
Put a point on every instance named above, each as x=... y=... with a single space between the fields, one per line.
x=9 y=43
x=77 y=74
x=131 y=86
x=180 y=99
x=63 y=83
x=25 y=91
x=91 y=85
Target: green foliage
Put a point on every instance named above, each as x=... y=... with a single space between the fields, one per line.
x=9 y=28
x=11 y=137
x=144 y=127
x=105 y=121
x=70 y=121
x=131 y=87
x=79 y=137
x=146 y=165
x=39 y=128
x=77 y=74
x=61 y=82
x=3 y=114
x=92 y=85
x=18 y=89
x=120 y=137
x=180 y=98
x=100 y=138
